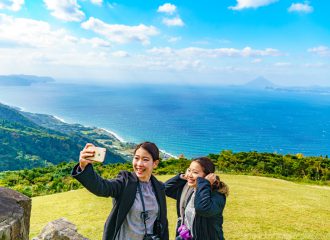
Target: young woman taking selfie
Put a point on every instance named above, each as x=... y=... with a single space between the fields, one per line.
x=139 y=203
x=201 y=198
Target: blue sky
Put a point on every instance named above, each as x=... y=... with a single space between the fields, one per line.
x=175 y=42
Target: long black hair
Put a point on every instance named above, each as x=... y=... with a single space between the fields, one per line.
x=209 y=167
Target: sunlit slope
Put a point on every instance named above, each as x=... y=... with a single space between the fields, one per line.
x=257 y=208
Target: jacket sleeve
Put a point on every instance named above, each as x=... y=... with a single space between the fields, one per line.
x=208 y=204
x=173 y=185
x=98 y=185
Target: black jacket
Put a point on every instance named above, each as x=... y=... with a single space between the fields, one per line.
x=123 y=190
x=209 y=207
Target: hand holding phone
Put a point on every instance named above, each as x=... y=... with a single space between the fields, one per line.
x=99 y=154
x=90 y=154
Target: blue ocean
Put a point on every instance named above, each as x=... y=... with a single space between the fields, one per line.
x=189 y=120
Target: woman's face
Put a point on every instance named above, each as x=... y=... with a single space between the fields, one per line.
x=143 y=164
x=195 y=170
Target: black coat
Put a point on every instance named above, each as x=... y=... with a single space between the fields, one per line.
x=123 y=190
x=209 y=207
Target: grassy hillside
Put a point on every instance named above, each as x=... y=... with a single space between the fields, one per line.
x=257 y=208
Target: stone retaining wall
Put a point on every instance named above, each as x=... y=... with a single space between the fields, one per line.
x=15 y=211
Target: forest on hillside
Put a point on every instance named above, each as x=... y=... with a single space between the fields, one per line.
x=57 y=178
x=38 y=140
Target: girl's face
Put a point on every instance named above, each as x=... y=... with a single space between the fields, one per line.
x=195 y=170
x=143 y=164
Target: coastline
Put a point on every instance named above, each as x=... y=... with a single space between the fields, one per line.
x=58 y=118
x=163 y=153
x=120 y=139
x=14 y=107
x=167 y=154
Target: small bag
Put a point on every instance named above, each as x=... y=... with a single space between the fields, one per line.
x=184 y=232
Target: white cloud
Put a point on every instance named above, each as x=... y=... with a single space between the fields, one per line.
x=320 y=50
x=171 y=22
x=170 y=9
x=13 y=5
x=198 y=53
x=120 y=54
x=97 y=2
x=154 y=63
x=204 y=60
x=30 y=33
x=120 y=33
x=301 y=7
x=167 y=8
x=35 y=47
x=67 y=10
x=242 y=4
x=31 y=46
x=96 y=42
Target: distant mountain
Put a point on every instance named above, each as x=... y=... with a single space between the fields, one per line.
x=260 y=83
x=26 y=142
x=23 y=80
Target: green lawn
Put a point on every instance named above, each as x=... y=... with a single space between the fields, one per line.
x=257 y=208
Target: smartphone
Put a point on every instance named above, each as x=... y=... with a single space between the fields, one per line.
x=99 y=155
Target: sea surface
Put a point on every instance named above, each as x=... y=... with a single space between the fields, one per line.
x=189 y=120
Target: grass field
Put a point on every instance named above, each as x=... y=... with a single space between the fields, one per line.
x=257 y=208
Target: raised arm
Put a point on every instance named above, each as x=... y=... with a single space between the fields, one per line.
x=173 y=185
x=98 y=185
x=208 y=204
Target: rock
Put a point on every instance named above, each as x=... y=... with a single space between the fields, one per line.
x=15 y=211
x=60 y=229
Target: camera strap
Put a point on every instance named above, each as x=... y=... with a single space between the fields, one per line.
x=144 y=214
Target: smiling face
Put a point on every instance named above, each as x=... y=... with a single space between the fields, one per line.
x=195 y=170
x=143 y=164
